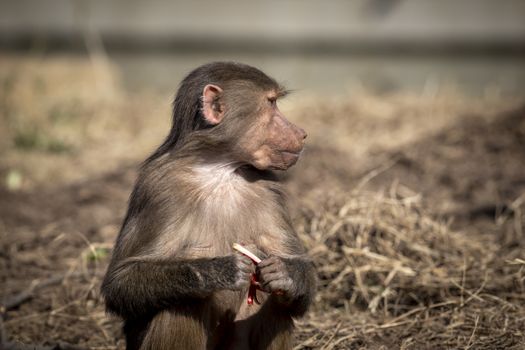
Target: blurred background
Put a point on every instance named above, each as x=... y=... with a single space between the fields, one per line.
x=318 y=47
x=410 y=195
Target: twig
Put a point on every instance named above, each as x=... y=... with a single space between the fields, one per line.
x=326 y=344
x=57 y=346
x=375 y=172
x=25 y=295
x=22 y=297
x=470 y=341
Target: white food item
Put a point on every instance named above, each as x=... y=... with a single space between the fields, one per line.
x=246 y=252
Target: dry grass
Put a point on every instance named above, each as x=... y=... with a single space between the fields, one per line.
x=417 y=283
x=397 y=267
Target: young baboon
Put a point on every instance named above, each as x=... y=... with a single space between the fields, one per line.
x=174 y=277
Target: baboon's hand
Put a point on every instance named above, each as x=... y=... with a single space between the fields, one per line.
x=243 y=270
x=274 y=276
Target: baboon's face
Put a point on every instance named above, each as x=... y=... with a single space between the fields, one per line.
x=272 y=142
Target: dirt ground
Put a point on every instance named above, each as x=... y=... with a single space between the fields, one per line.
x=411 y=205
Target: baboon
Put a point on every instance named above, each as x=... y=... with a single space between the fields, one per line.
x=174 y=277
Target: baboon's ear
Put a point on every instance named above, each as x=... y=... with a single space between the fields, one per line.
x=212 y=108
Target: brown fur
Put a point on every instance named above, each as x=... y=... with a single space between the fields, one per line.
x=174 y=277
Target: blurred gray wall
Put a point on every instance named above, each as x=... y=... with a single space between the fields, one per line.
x=372 y=23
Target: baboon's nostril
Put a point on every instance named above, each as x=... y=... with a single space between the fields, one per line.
x=302 y=133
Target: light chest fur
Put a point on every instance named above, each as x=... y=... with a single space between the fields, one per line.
x=236 y=210
x=226 y=208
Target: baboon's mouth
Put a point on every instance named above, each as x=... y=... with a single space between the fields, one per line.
x=290 y=158
x=293 y=154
